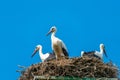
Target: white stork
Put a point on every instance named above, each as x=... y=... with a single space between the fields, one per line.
x=58 y=46
x=44 y=57
x=98 y=54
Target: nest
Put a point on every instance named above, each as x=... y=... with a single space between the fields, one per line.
x=89 y=67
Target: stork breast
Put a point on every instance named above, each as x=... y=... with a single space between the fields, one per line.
x=57 y=48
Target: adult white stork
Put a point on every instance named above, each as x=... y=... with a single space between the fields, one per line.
x=58 y=46
x=44 y=57
x=98 y=54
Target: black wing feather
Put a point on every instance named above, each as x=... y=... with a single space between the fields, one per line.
x=65 y=52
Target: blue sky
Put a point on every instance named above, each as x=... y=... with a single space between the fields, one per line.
x=81 y=24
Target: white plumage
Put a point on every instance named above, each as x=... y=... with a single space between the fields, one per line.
x=98 y=54
x=57 y=44
x=43 y=57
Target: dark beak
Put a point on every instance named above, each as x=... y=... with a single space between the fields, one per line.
x=105 y=52
x=35 y=51
x=48 y=33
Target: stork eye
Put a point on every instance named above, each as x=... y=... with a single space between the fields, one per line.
x=52 y=29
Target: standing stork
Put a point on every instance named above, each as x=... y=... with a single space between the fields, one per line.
x=44 y=57
x=58 y=46
x=98 y=54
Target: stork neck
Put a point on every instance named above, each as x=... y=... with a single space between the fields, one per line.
x=53 y=34
x=40 y=52
x=101 y=50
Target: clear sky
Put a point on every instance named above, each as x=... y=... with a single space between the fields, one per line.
x=81 y=24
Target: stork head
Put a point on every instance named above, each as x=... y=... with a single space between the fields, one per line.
x=38 y=47
x=52 y=29
x=102 y=48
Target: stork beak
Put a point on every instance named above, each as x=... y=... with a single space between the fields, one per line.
x=35 y=51
x=105 y=52
x=49 y=33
